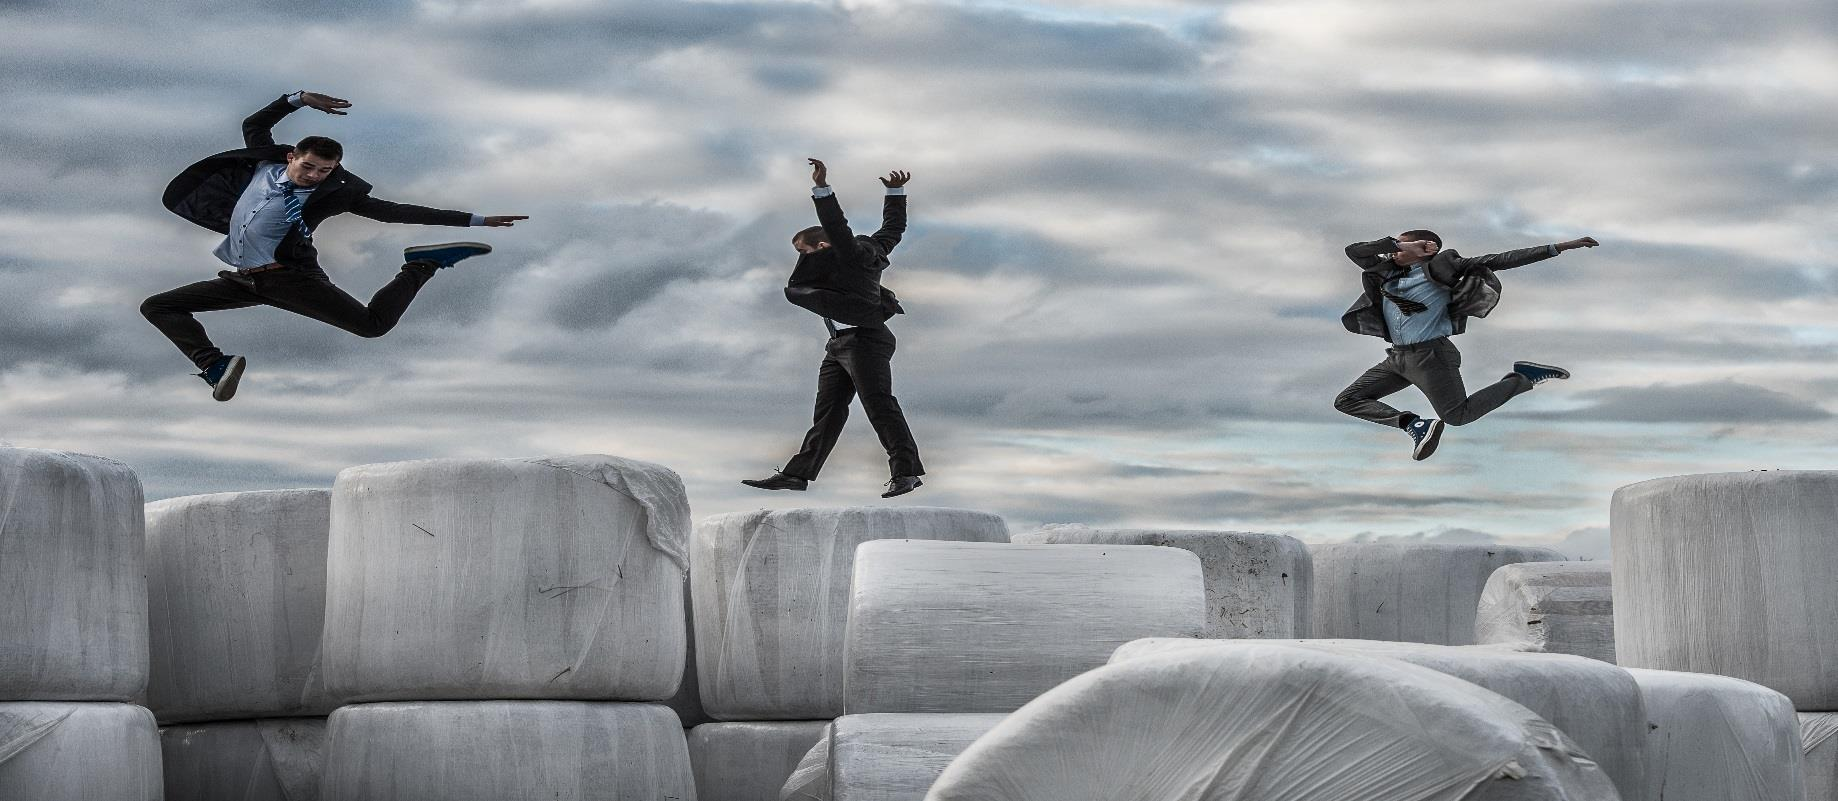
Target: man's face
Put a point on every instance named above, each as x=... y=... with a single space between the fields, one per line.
x=806 y=247
x=308 y=169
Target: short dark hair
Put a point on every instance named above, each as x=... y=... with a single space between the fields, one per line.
x=1422 y=233
x=321 y=146
x=811 y=235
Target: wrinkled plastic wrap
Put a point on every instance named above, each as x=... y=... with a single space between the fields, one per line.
x=1264 y=721
x=73 y=588
x=986 y=627
x=810 y=780
x=1714 y=738
x=513 y=578
x=507 y=751
x=1819 y=744
x=749 y=761
x=1731 y=573
x=1598 y=705
x=236 y=603
x=1407 y=592
x=1554 y=607
x=892 y=757
x=1257 y=585
x=51 y=751
x=280 y=759
x=771 y=592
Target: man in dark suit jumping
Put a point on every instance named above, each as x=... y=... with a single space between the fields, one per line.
x=838 y=277
x=268 y=200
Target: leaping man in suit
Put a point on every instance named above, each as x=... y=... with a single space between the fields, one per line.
x=838 y=277
x=268 y=200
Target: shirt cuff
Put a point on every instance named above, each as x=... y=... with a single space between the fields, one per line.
x=297 y=99
x=896 y=190
x=477 y=220
x=1553 y=249
x=821 y=191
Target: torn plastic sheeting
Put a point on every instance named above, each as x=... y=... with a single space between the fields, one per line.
x=1263 y=721
x=1598 y=705
x=1821 y=754
x=1407 y=592
x=749 y=761
x=985 y=627
x=1555 y=607
x=1714 y=738
x=236 y=602
x=461 y=579
x=506 y=751
x=771 y=591
x=54 y=751
x=72 y=578
x=279 y=759
x=653 y=486
x=1731 y=574
x=810 y=780
x=1257 y=585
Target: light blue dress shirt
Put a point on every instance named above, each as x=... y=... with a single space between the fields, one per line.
x=1433 y=322
x=259 y=222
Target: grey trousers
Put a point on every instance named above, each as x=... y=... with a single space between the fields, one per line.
x=1434 y=367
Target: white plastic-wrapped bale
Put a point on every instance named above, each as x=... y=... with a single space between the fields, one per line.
x=1555 y=607
x=558 y=578
x=898 y=757
x=280 y=759
x=1407 y=592
x=1598 y=705
x=52 y=751
x=1820 y=747
x=771 y=592
x=1273 y=722
x=236 y=602
x=1731 y=573
x=749 y=761
x=506 y=751
x=986 y=627
x=72 y=578
x=1257 y=585
x=1714 y=738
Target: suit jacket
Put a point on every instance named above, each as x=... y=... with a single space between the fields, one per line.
x=1473 y=288
x=206 y=192
x=843 y=281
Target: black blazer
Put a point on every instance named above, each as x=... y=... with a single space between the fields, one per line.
x=1473 y=288
x=843 y=281
x=206 y=192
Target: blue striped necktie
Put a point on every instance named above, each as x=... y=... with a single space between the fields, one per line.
x=294 y=206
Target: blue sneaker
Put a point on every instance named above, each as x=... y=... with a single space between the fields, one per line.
x=1539 y=373
x=446 y=255
x=223 y=376
x=1425 y=434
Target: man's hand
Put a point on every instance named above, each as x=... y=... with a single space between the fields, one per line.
x=820 y=175
x=1415 y=251
x=505 y=221
x=325 y=103
x=896 y=178
x=1585 y=242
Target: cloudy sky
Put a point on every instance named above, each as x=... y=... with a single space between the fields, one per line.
x=1123 y=272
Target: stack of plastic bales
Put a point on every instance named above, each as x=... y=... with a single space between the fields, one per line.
x=1554 y=607
x=1408 y=592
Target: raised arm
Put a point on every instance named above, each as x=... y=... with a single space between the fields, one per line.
x=1369 y=255
x=829 y=210
x=1522 y=256
x=258 y=128
x=893 y=211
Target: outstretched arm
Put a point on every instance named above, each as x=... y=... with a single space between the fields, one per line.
x=389 y=212
x=893 y=211
x=829 y=210
x=258 y=128
x=1522 y=256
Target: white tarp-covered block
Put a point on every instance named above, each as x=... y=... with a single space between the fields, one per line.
x=281 y=759
x=1731 y=573
x=1257 y=585
x=884 y=757
x=51 y=751
x=1554 y=607
x=1714 y=738
x=507 y=751
x=73 y=587
x=1265 y=721
x=555 y=578
x=236 y=602
x=986 y=627
x=1819 y=744
x=749 y=761
x=1598 y=705
x=1407 y=592
x=771 y=593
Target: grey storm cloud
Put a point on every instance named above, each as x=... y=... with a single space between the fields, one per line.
x=1726 y=402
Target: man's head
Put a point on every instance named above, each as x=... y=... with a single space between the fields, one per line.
x=313 y=159
x=810 y=240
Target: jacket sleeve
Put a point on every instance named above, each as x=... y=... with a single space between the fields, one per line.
x=258 y=128
x=1366 y=254
x=386 y=211
x=1504 y=261
x=835 y=226
x=893 y=223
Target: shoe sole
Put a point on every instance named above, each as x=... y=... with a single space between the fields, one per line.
x=481 y=246
x=1561 y=372
x=757 y=485
x=226 y=386
x=1429 y=443
x=916 y=484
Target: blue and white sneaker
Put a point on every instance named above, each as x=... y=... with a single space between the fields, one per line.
x=1539 y=373
x=223 y=376
x=445 y=255
x=1425 y=433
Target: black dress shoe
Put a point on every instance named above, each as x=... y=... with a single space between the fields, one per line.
x=778 y=481
x=900 y=485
